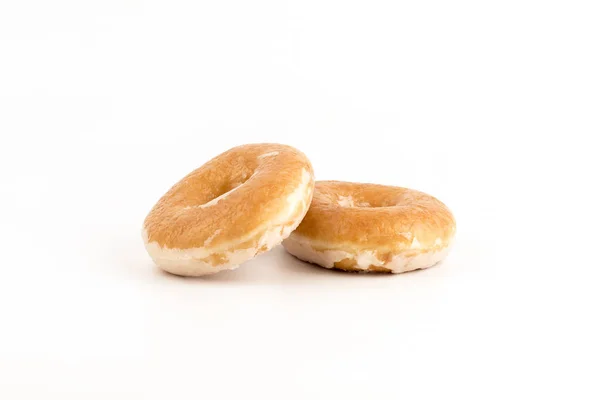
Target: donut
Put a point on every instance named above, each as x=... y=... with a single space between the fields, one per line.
x=239 y=204
x=372 y=228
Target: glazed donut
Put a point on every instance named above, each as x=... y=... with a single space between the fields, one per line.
x=372 y=228
x=237 y=205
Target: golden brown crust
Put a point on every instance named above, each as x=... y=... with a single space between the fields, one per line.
x=370 y=227
x=395 y=216
x=263 y=176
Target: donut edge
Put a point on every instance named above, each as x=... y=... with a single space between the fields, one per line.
x=364 y=261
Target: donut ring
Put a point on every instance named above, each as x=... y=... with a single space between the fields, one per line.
x=237 y=205
x=372 y=228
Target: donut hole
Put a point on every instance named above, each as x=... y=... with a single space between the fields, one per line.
x=358 y=201
x=352 y=201
x=225 y=189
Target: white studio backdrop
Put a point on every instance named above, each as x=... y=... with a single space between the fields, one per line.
x=491 y=106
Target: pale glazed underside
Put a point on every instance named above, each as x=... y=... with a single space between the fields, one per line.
x=239 y=204
x=372 y=228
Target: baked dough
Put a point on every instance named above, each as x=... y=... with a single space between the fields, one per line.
x=372 y=228
x=237 y=205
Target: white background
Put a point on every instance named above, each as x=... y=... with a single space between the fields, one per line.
x=492 y=106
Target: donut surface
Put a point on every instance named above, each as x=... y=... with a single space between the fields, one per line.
x=237 y=205
x=372 y=228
